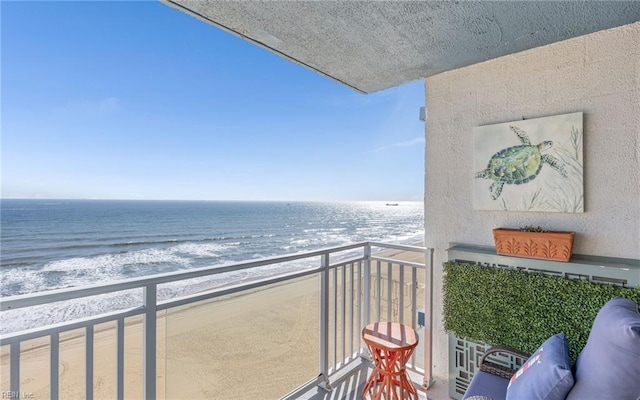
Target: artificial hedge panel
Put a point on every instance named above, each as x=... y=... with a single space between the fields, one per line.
x=502 y=306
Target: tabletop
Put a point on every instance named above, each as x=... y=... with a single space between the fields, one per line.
x=390 y=335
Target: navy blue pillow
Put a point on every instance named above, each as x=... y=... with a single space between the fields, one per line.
x=609 y=365
x=546 y=375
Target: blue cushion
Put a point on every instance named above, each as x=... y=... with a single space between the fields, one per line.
x=609 y=365
x=488 y=385
x=546 y=375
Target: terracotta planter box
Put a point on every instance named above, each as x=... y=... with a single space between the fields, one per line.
x=555 y=246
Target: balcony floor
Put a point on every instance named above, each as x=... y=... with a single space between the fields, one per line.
x=349 y=383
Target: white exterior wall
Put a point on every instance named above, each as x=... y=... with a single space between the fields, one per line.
x=598 y=74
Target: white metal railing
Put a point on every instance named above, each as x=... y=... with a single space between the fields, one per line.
x=354 y=290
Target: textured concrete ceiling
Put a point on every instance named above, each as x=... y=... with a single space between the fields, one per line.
x=374 y=45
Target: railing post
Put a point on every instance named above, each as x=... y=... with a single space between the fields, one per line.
x=14 y=384
x=428 y=322
x=150 y=338
x=88 y=363
x=54 y=367
x=120 y=359
x=367 y=285
x=324 y=322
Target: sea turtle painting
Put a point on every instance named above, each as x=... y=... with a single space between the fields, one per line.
x=519 y=164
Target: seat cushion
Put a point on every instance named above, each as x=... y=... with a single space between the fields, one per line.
x=546 y=375
x=485 y=384
x=609 y=365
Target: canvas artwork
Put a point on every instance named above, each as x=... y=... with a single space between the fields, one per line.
x=530 y=165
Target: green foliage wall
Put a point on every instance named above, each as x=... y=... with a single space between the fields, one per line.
x=521 y=309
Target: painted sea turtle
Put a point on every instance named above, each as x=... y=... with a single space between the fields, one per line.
x=519 y=164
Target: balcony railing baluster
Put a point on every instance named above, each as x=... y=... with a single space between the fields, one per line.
x=367 y=286
x=324 y=321
x=389 y=289
x=335 y=318
x=120 y=359
x=14 y=369
x=359 y=292
x=428 y=317
x=351 y=310
x=54 y=363
x=401 y=294
x=414 y=307
x=89 y=362
x=378 y=291
x=342 y=317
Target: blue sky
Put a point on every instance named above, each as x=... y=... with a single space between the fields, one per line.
x=135 y=100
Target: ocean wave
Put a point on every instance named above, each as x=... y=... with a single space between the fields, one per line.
x=44 y=254
x=15 y=320
x=114 y=262
x=81 y=271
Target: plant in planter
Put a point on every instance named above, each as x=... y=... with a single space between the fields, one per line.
x=534 y=242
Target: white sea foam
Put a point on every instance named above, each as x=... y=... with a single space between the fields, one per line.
x=114 y=262
x=255 y=231
x=47 y=314
x=29 y=279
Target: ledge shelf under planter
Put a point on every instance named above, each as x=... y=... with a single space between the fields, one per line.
x=550 y=245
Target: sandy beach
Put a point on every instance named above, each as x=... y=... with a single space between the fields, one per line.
x=256 y=345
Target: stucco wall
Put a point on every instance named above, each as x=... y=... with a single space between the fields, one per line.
x=598 y=74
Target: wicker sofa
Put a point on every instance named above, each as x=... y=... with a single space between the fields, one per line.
x=607 y=368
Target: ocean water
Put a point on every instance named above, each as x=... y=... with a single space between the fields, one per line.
x=52 y=244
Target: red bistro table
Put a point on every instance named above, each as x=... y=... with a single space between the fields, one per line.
x=391 y=345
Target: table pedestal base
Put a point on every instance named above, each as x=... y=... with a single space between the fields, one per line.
x=389 y=376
